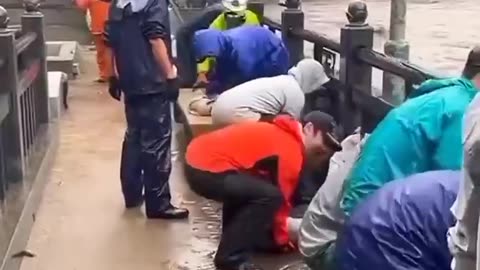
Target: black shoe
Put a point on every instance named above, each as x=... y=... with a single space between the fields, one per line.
x=135 y=203
x=171 y=212
x=243 y=266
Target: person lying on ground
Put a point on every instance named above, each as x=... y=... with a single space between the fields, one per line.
x=270 y=96
x=422 y=134
x=241 y=54
x=324 y=218
x=463 y=237
x=255 y=179
x=235 y=14
x=401 y=226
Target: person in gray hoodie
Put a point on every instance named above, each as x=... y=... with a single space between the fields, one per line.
x=264 y=98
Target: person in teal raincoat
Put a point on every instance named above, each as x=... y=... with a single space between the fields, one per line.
x=422 y=134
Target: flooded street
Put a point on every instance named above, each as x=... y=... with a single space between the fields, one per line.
x=440 y=32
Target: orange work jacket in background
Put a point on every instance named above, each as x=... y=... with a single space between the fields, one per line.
x=98 y=12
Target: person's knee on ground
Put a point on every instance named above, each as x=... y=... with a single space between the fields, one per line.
x=248 y=228
x=252 y=155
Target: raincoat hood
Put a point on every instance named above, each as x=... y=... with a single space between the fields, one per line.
x=208 y=43
x=290 y=125
x=433 y=85
x=309 y=74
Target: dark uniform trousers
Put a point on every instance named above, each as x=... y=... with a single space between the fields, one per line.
x=249 y=206
x=146 y=162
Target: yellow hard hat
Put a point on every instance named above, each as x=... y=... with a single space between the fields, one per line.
x=235 y=5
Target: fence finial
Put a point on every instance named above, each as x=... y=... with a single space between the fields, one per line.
x=357 y=12
x=4 y=19
x=31 y=5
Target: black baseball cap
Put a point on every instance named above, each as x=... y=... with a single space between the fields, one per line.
x=326 y=124
x=473 y=59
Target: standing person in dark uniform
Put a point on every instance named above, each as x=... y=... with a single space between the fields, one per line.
x=139 y=34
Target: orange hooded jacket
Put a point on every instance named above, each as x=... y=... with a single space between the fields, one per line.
x=239 y=147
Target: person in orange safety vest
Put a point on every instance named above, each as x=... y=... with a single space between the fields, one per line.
x=98 y=10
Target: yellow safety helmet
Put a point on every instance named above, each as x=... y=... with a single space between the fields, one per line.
x=237 y=6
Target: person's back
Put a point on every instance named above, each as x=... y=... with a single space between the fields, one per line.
x=241 y=54
x=422 y=134
x=401 y=226
x=269 y=96
x=258 y=51
x=266 y=96
x=230 y=149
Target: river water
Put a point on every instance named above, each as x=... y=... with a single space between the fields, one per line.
x=440 y=32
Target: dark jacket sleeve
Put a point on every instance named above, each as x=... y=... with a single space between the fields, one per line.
x=155 y=20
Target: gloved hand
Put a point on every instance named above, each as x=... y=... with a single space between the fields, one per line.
x=173 y=89
x=201 y=82
x=114 y=88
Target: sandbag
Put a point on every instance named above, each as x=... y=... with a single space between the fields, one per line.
x=401 y=226
x=201 y=106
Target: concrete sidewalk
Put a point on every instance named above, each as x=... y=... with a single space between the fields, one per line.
x=82 y=224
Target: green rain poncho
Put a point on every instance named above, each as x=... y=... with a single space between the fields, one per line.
x=422 y=134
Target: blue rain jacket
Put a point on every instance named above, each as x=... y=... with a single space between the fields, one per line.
x=241 y=54
x=422 y=134
x=129 y=36
x=402 y=226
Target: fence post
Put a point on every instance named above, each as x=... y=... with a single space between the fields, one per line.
x=13 y=143
x=293 y=18
x=32 y=21
x=258 y=8
x=394 y=86
x=356 y=34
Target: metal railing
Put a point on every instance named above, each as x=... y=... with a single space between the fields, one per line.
x=348 y=61
x=353 y=78
x=24 y=114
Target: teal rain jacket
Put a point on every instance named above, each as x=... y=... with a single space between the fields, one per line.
x=422 y=134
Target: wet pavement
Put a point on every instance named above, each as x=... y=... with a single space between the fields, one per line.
x=81 y=223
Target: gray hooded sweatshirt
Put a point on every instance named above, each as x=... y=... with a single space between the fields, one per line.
x=273 y=95
x=324 y=218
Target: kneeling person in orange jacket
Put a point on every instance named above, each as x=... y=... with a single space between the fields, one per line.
x=254 y=168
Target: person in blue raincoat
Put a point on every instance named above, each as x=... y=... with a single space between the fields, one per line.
x=422 y=134
x=402 y=226
x=241 y=54
x=138 y=32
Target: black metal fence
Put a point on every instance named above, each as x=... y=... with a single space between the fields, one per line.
x=24 y=113
x=357 y=105
x=348 y=61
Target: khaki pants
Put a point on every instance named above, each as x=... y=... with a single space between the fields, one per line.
x=463 y=237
